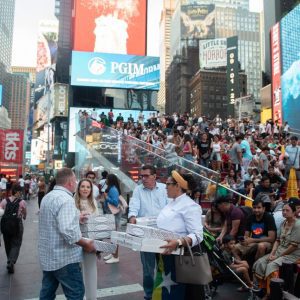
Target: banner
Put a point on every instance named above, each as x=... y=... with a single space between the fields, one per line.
x=276 y=73
x=197 y=21
x=115 y=70
x=213 y=53
x=233 y=90
x=11 y=146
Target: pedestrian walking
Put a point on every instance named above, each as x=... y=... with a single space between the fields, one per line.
x=13 y=211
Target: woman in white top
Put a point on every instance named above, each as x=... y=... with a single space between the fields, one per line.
x=216 y=153
x=182 y=216
x=87 y=205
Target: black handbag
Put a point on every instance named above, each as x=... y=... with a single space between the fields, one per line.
x=192 y=268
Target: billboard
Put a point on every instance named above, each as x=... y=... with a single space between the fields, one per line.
x=46 y=57
x=213 y=53
x=232 y=73
x=11 y=146
x=276 y=74
x=75 y=124
x=290 y=79
x=110 y=26
x=115 y=70
x=60 y=96
x=197 y=21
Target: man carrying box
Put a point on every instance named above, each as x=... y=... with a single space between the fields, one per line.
x=148 y=200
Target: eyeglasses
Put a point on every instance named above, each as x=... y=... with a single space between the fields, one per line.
x=170 y=183
x=145 y=175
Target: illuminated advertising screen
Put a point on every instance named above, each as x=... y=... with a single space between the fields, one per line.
x=290 y=79
x=110 y=26
x=11 y=146
x=46 y=57
x=197 y=21
x=213 y=53
x=76 y=126
x=115 y=70
x=276 y=73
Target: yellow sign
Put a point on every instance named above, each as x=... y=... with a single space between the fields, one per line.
x=58 y=164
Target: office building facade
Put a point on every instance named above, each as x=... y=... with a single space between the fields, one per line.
x=165 y=51
x=208 y=92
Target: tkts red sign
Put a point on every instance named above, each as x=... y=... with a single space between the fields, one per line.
x=11 y=146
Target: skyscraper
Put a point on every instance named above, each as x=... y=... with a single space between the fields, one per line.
x=7 y=9
x=165 y=51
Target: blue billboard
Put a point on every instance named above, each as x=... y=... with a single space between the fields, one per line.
x=115 y=70
x=290 y=56
x=0 y=95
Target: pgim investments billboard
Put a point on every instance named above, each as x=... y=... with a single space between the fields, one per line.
x=110 y=26
x=115 y=70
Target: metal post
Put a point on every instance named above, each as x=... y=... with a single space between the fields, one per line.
x=48 y=130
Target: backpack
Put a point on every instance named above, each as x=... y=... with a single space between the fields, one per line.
x=10 y=220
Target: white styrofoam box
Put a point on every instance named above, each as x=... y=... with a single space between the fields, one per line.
x=203 y=219
x=146 y=221
x=150 y=232
x=126 y=240
x=105 y=247
x=153 y=245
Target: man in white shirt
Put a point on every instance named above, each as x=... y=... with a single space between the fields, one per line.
x=92 y=176
x=148 y=200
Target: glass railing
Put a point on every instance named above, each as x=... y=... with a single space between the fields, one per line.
x=124 y=155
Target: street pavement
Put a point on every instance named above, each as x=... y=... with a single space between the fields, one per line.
x=115 y=282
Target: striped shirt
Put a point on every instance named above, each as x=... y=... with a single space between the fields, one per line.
x=58 y=230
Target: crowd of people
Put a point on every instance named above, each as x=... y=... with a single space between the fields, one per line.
x=256 y=234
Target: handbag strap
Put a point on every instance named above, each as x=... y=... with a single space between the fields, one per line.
x=190 y=251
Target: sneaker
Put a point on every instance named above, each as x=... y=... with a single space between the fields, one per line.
x=107 y=257
x=112 y=260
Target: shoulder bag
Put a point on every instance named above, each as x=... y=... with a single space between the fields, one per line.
x=192 y=268
x=123 y=204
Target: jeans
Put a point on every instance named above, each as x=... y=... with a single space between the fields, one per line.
x=148 y=262
x=70 y=278
x=13 y=244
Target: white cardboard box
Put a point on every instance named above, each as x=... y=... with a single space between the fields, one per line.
x=105 y=247
x=150 y=232
x=137 y=243
x=146 y=221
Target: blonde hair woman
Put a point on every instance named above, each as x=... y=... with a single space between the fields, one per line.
x=86 y=203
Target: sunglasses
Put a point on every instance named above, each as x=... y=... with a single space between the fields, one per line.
x=171 y=183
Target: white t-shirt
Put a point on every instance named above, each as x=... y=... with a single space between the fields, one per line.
x=3 y=183
x=21 y=182
x=216 y=147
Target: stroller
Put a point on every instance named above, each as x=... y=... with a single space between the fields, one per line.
x=220 y=269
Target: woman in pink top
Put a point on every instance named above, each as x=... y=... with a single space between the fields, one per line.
x=13 y=209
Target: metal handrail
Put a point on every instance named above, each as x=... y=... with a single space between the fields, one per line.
x=191 y=171
x=163 y=150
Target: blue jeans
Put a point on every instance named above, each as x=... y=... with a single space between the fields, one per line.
x=70 y=278
x=148 y=262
